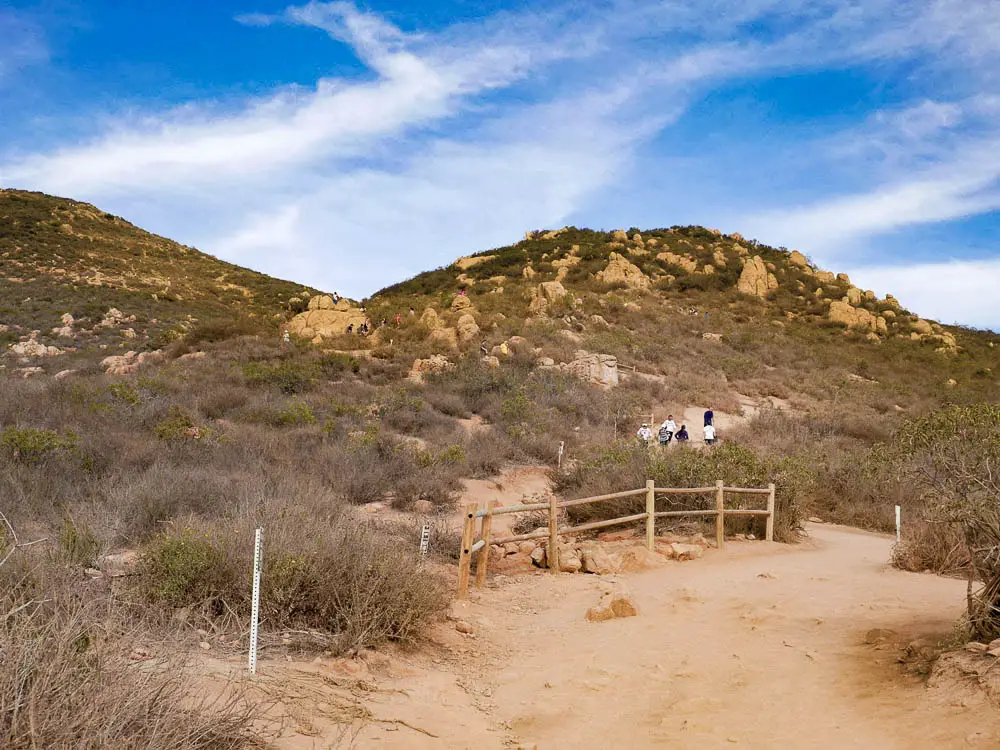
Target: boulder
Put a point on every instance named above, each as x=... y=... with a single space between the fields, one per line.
x=115 y=317
x=321 y=302
x=717 y=337
x=854 y=296
x=431 y=320
x=690 y=265
x=843 y=277
x=613 y=605
x=326 y=318
x=538 y=557
x=596 y=560
x=923 y=327
x=491 y=362
x=852 y=317
x=798 y=259
x=434 y=364
x=444 y=339
x=528 y=272
x=825 y=276
x=684 y=552
x=638 y=558
x=620 y=271
x=720 y=259
x=620 y=235
x=569 y=559
x=461 y=302
x=464 y=264
x=467 y=329
x=34 y=348
x=756 y=279
x=601 y=369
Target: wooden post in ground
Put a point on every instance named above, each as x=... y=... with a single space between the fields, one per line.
x=720 y=515
x=769 y=535
x=650 y=513
x=552 y=553
x=465 y=555
x=482 y=562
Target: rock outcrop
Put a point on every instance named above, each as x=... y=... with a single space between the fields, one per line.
x=613 y=604
x=620 y=271
x=601 y=369
x=431 y=320
x=444 y=339
x=690 y=265
x=467 y=329
x=464 y=264
x=325 y=318
x=856 y=317
x=798 y=259
x=436 y=363
x=546 y=293
x=129 y=362
x=34 y=348
x=756 y=279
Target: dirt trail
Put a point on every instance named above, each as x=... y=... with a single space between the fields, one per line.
x=760 y=646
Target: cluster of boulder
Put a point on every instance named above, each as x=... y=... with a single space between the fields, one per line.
x=610 y=553
x=325 y=319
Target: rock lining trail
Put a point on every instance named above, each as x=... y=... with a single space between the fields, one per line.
x=761 y=646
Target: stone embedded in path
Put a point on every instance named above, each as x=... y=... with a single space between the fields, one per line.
x=596 y=560
x=684 y=552
x=613 y=605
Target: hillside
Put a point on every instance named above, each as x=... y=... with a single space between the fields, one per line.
x=146 y=435
x=713 y=316
x=62 y=257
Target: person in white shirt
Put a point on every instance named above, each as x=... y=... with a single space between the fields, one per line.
x=645 y=434
x=667 y=430
x=709 y=434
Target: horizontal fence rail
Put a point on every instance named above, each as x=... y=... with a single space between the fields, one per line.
x=480 y=547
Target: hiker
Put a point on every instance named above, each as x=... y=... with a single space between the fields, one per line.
x=412 y=312
x=644 y=434
x=484 y=349
x=285 y=337
x=682 y=434
x=709 y=434
x=709 y=417
x=336 y=298
x=399 y=319
x=667 y=430
x=350 y=328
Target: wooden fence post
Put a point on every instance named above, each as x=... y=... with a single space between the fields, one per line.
x=482 y=562
x=650 y=513
x=769 y=535
x=552 y=553
x=720 y=515
x=465 y=555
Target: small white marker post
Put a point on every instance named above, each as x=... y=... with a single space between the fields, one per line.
x=255 y=608
x=897 y=524
x=425 y=540
x=562 y=448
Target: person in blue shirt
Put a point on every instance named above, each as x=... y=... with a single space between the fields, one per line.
x=682 y=434
x=709 y=417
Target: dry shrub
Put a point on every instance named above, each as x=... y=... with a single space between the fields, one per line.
x=68 y=680
x=628 y=465
x=325 y=568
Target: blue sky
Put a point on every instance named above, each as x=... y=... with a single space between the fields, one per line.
x=350 y=146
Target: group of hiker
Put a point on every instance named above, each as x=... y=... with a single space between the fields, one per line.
x=668 y=431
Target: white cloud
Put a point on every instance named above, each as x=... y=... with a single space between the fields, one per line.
x=460 y=139
x=955 y=291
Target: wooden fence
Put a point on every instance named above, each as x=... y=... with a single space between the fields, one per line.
x=478 y=544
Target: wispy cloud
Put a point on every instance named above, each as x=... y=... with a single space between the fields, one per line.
x=22 y=43
x=460 y=138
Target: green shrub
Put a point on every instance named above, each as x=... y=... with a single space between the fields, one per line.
x=182 y=569
x=31 y=446
x=180 y=424
x=78 y=544
x=290 y=376
x=295 y=413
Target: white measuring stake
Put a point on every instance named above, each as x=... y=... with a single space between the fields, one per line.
x=255 y=609
x=562 y=448
x=897 y=524
x=425 y=539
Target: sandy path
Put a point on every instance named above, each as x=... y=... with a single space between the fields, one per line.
x=760 y=646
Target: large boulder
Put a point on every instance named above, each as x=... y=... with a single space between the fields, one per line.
x=444 y=339
x=690 y=265
x=596 y=560
x=467 y=329
x=854 y=296
x=326 y=319
x=544 y=294
x=923 y=327
x=464 y=264
x=620 y=271
x=798 y=259
x=436 y=363
x=601 y=369
x=854 y=317
x=562 y=265
x=34 y=348
x=462 y=303
x=431 y=320
x=756 y=279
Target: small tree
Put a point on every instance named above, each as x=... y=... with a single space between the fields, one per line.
x=952 y=456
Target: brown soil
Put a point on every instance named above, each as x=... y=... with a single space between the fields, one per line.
x=760 y=646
